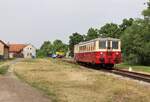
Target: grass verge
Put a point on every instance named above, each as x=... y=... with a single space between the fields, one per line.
x=1 y=62
x=135 y=67
x=4 y=69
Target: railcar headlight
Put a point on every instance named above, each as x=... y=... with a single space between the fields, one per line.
x=117 y=53
x=101 y=53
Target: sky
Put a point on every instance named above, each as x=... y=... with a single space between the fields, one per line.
x=36 y=21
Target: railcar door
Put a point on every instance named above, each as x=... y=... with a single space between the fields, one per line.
x=109 y=51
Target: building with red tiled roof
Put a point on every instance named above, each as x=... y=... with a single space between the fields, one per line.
x=16 y=48
x=4 y=50
x=22 y=50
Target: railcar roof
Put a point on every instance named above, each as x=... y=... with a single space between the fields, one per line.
x=113 y=39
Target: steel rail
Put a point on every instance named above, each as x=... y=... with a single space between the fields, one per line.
x=133 y=75
x=130 y=74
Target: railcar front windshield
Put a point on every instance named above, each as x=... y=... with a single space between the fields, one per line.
x=102 y=44
x=108 y=44
x=115 y=45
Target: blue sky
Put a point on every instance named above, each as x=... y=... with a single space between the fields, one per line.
x=34 y=21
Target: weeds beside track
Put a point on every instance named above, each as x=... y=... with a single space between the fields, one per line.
x=119 y=71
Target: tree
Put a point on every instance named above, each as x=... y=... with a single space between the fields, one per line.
x=136 y=43
x=136 y=39
x=75 y=38
x=110 y=30
x=41 y=53
x=49 y=48
x=92 y=34
x=45 y=49
x=146 y=12
x=59 y=46
x=125 y=24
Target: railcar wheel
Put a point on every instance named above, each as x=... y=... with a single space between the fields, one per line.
x=110 y=66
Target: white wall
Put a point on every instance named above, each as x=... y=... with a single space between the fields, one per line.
x=11 y=55
x=29 y=51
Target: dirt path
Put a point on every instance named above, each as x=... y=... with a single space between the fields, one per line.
x=13 y=90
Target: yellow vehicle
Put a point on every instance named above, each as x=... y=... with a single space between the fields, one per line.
x=60 y=54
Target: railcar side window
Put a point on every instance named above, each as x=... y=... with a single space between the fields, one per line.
x=115 y=44
x=102 y=44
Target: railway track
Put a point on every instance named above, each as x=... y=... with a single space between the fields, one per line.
x=133 y=75
x=130 y=74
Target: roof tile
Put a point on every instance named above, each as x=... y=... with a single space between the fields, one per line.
x=16 y=47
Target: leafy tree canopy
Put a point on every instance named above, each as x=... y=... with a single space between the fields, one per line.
x=146 y=12
x=126 y=23
x=59 y=46
x=136 y=43
x=51 y=48
x=110 y=30
x=75 y=38
x=92 y=34
x=46 y=46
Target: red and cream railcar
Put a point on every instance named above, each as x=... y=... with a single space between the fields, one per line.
x=101 y=51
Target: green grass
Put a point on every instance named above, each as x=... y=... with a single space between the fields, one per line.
x=4 y=69
x=135 y=67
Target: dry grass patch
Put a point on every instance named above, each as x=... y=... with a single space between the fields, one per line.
x=65 y=82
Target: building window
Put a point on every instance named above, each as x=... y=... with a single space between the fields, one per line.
x=28 y=54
